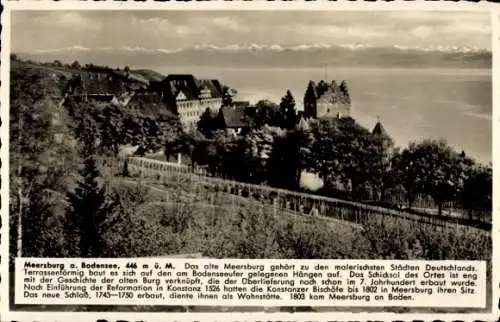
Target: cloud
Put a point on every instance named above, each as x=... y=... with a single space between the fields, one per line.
x=152 y=23
x=422 y=32
x=67 y=19
x=179 y=29
x=228 y=23
x=482 y=29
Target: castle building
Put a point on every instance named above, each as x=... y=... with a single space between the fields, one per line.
x=327 y=100
x=190 y=97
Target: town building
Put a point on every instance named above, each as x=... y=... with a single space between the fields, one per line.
x=327 y=100
x=191 y=97
x=103 y=86
x=233 y=119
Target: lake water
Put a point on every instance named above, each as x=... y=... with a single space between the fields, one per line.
x=413 y=104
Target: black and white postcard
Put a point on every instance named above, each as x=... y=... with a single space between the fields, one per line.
x=248 y=159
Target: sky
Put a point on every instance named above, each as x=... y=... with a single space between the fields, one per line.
x=51 y=30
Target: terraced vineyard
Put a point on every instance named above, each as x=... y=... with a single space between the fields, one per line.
x=293 y=202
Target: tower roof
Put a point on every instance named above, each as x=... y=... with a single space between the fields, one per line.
x=379 y=129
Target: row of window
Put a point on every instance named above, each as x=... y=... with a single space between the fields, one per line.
x=190 y=114
x=190 y=104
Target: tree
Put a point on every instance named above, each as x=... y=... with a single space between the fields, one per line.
x=310 y=98
x=154 y=133
x=258 y=147
x=130 y=130
x=207 y=123
x=344 y=153
x=126 y=70
x=405 y=171
x=291 y=155
x=39 y=167
x=287 y=110
x=476 y=193
x=127 y=236
x=433 y=168
x=189 y=143
x=226 y=155
x=267 y=112
x=172 y=136
x=87 y=213
x=228 y=95
x=111 y=131
x=88 y=135
x=76 y=65
x=202 y=153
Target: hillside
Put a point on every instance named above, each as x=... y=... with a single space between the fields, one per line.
x=149 y=75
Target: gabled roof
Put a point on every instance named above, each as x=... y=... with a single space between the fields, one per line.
x=180 y=95
x=233 y=117
x=213 y=85
x=185 y=83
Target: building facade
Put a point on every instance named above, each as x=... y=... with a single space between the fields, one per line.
x=190 y=97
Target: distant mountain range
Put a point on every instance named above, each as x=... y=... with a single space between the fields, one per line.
x=254 y=55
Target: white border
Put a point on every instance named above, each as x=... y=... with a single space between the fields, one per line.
x=495 y=118
x=6 y=315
